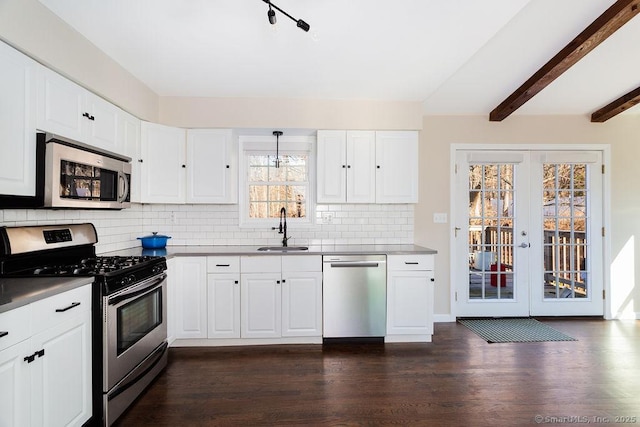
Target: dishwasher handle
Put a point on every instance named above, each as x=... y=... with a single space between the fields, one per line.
x=355 y=264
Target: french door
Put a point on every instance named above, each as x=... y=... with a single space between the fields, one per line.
x=528 y=233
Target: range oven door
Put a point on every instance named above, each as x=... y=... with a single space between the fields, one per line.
x=135 y=325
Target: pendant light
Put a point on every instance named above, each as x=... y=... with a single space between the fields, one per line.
x=277 y=134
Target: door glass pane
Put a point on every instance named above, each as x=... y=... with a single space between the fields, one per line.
x=491 y=222
x=565 y=201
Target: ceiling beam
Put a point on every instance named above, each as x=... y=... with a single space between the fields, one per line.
x=606 y=24
x=616 y=107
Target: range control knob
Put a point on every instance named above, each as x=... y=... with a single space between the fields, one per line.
x=156 y=269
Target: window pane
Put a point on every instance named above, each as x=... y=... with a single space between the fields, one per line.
x=258 y=210
x=258 y=174
x=257 y=193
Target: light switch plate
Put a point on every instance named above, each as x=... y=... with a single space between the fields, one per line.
x=440 y=218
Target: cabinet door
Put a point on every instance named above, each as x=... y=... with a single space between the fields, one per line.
x=410 y=303
x=191 y=297
x=61 y=376
x=302 y=304
x=224 y=305
x=212 y=173
x=17 y=123
x=361 y=172
x=397 y=167
x=102 y=127
x=129 y=134
x=15 y=385
x=261 y=304
x=60 y=105
x=163 y=164
x=331 y=173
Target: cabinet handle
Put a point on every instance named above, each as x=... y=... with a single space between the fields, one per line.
x=433 y=280
x=378 y=167
x=235 y=281
x=4 y=334
x=223 y=265
x=184 y=166
x=283 y=281
x=278 y=281
x=73 y=304
x=227 y=166
x=30 y=358
x=344 y=166
x=348 y=166
x=140 y=161
x=411 y=263
x=88 y=116
x=39 y=353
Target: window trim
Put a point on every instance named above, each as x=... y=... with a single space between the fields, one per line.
x=267 y=145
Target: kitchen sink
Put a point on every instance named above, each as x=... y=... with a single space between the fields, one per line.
x=283 y=248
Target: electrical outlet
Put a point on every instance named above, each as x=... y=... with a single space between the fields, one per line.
x=327 y=217
x=440 y=218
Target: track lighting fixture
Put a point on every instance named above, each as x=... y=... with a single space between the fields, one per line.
x=272 y=16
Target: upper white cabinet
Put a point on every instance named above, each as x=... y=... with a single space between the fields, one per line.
x=192 y=166
x=17 y=123
x=163 y=166
x=67 y=109
x=346 y=172
x=212 y=173
x=367 y=167
x=397 y=167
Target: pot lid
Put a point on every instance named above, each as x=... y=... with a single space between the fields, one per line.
x=155 y=235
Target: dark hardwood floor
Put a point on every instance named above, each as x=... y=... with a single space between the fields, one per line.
x=458 y=379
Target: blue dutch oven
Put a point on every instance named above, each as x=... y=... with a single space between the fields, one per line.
x=155 y=241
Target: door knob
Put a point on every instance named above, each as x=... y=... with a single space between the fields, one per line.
x=525 y=245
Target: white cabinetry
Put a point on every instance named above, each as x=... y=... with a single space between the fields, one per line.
x=45 y=377
x=193 y=166
x=17 y=123
x=223 y=285
x=367 y=166
x=409 y=297
x=260 y=297
x=397 y=167
x=190 y=297
x=212 y=173
x=346 y=166
x=66 y=109
x=172 y=284
x=302 y=296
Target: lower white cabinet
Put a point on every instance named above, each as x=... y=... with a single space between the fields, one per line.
x=409 y=297
x=45 y=378
x=190 y=320
x=260 y=305
x=223 y=297
x=302 y=296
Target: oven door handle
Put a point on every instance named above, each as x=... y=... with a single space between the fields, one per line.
x=126 y=295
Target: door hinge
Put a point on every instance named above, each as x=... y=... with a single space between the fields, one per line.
x=603 y=169
x=455 y=294
x=602 y=231
x=603 y=294
x=455 y=168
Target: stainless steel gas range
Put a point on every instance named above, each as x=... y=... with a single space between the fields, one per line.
x=129 y=328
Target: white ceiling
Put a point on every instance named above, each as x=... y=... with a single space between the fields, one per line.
x=456 y=56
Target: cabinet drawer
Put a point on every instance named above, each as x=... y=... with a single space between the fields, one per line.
x=58 y=308
x=302 y=263
x=410 y=262
x=261 y=264
x=15 y=326
x=223 y=264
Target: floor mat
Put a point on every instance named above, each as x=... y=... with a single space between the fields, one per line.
x=499 y=330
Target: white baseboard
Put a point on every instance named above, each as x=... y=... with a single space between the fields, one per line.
x=443 y=318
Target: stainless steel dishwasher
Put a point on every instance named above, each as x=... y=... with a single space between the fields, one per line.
x=354 y=296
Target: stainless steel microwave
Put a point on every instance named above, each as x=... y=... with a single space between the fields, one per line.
x=74 y=175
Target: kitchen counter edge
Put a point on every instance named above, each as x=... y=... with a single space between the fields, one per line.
x=17 y=292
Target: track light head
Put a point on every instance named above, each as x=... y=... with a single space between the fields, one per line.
x=303 y=25
x=271 y=14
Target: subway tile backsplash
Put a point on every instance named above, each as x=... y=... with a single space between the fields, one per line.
x=218 y=225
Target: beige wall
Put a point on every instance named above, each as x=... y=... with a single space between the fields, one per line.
x=289 y=113
x=30 y=27
x=623 y=135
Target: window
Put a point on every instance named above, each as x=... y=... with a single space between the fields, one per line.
x=272 y=183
